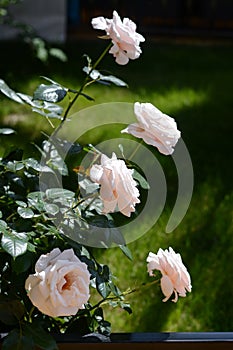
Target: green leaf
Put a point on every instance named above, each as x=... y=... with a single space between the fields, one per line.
x=52 y=108
x=31 y=248
x=23 y=262
x=6 y=131
x=142 y=181
x=53 y=193
x=40 y=337
x=51 y=81
x=29 y=100
x=3 y=227
x=3 y=12
x=99 y=315
x=96 y=75
x=11 y=311
x=72 y=148
x=114 y=289
x=55 y=52
x=102 y=286
x=21 y=204
x=89 y=98
x=51 y=115
x=41 y=106
x=126 y=307
x=51 y=209
x=6 y=90
x=105 y=272
x=36 y=196
x=126 y=251
x=25 y=213
x=49 y=93
x=104 y=328
x=14 y=166
x=54 y=159
x=16 y=341
x=32 y=163
x=41 y=51
x=88 y=60
x=113 y=80
x=14 y=243
x=87 y=184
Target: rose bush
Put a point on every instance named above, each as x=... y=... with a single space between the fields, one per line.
x=50 y=279
x=60 y=285
x=118 y=188
x=175 y=277
x=154 y=127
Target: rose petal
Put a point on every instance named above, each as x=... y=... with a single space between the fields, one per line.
x=99 y=23
x=175 y=277
x=124 y=37
x=62 y=288
x=117 y=187
x=154 y=127
x=167 y=287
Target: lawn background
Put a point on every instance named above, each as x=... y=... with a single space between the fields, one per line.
x=193 y=84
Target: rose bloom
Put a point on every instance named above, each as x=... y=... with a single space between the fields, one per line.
x=154 y=127
x=175 y=277
x=124 y=37
x=60 y=285
x=118 y=188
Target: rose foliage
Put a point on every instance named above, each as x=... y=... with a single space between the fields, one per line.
x=50 y=279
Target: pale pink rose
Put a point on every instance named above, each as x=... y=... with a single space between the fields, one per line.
x=118 y=188
x=60 y=285
x=154 y=127
x=175 y=277
x=124 y=37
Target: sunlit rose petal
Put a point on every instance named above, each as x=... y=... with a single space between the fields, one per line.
x=60 y=285
x=175 y=277
x=118 y=188
x=154 y=127
x=126 y=41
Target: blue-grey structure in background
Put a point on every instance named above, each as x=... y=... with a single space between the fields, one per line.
x=47 y=17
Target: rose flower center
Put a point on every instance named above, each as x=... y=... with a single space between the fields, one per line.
x=69 y=280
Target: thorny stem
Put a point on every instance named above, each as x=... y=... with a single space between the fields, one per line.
x=30 y=314
x=85 y=83
x=92 y=195
x=127 y=292
x=135 y=150
x=101 y=56
x=50 y=122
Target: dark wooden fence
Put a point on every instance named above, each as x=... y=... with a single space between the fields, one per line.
x=164 y=17
x=148 y=341
x=153 y=341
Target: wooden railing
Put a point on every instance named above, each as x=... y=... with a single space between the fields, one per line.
x=152 y=341
x=148 y=341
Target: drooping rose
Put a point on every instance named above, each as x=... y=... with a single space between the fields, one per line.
x=118 y=188
x=124 y=37
x=154 y=127
x=175 y=277
x=60 y=284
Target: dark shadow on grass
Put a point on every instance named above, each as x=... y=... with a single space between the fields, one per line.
x=206 y=242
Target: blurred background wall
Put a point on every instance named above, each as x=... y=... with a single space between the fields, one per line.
x=47 y=17
x=213 y=18
x=59 y=20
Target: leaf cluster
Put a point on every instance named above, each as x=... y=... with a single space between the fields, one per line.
x=33 y=222
x=46 y=202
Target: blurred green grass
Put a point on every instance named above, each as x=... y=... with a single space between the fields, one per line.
x=193 y=84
